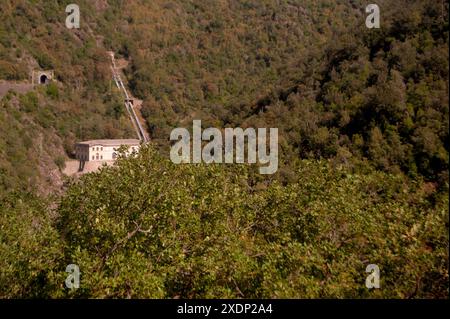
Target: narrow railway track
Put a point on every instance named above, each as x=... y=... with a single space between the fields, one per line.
x=142 y=135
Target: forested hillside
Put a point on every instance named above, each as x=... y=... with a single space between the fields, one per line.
x=335 y=88
x=38 y=130
x=363 y=122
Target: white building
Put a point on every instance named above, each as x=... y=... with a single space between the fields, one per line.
x=103 y=150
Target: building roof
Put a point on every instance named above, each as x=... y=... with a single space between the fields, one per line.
x=117 y=142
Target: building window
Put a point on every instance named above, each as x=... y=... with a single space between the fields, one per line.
x=101 y=148
x=101 y=156
x=96 y=156
x=92 y=157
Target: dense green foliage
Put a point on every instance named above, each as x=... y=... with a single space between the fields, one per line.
x=149 y=228
x=363 y=128
x=29 y=249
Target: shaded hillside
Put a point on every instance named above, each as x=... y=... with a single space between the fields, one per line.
x=378 y=96
x=334 y=88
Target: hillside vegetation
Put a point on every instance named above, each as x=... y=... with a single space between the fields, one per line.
x=363 y=129
x=334 y=88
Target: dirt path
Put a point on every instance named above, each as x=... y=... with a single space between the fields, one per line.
x=72 y=167
x=19 y=87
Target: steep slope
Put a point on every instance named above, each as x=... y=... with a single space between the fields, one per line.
x=333 y=87
x=39 y=129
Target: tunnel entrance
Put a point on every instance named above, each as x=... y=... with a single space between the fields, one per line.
x=43 y=79
x=39 y=77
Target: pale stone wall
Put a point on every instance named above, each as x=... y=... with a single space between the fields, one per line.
x=100 y=152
